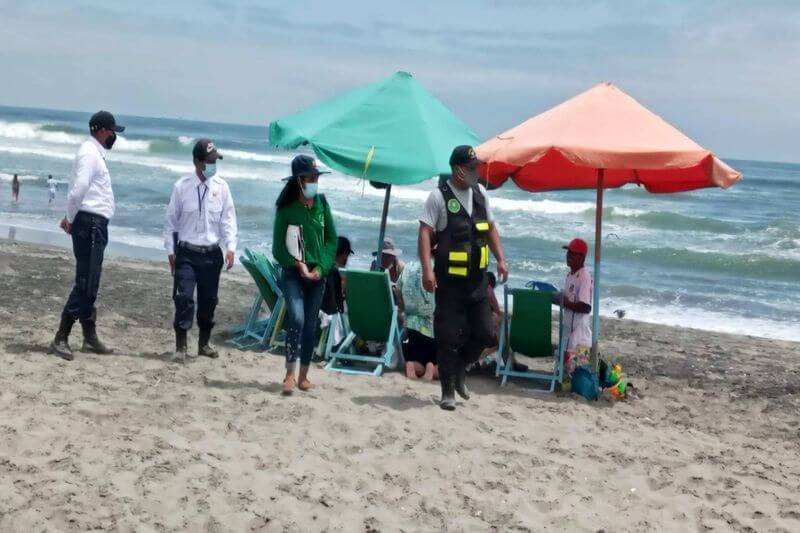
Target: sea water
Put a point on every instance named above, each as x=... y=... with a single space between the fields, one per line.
x=722 y=260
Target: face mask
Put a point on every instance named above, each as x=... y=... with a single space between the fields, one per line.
x=310 y=190
x=471 y=178
x=210 y=171
x=110 y=140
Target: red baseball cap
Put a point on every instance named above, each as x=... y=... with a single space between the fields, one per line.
x=578 y=246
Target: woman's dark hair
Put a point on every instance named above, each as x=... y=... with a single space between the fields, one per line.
x=290 y=193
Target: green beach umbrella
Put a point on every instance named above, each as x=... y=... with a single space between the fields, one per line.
x=390 y=132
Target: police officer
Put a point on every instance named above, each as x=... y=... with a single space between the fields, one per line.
x=457 y=217
x=90 y=205
x=200 y=218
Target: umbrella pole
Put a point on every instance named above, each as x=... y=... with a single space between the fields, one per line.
x=598 y=231
x=382 y=232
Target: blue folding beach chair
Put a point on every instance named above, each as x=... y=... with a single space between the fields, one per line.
x=251 y=320
x=371 y=315
x=527 y=330
x=262 y=333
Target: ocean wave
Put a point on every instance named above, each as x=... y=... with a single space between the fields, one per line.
x=546 y=207
x=52 y=134
x=38 y=151
x=68 y=135
x=750 y=265
x=63 y=128
x=672 y=221
x=252 y=156
x=698 y=318
x=27 y=131
x=344 y=215
x=419 y=193
x=21 y=177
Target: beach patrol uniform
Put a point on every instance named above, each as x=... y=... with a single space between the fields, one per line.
x=200 y=222
x=463 y=325
x=90 y=206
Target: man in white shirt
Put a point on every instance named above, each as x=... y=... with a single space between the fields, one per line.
x=578 y=288
x=90 y=205
x=458 y=218
x=200 y=217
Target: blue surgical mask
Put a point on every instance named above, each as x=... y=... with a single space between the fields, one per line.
x=310 y=190
x=210 y=171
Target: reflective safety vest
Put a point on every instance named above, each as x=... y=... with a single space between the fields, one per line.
x=463 y=245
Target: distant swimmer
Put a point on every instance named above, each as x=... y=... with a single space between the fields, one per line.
x=90 y=205
x=52 y=186
x=200 y=219
x=15 y=189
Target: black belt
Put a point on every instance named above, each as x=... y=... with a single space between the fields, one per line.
x=197 y=248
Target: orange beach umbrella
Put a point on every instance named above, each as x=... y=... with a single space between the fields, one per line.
x=601 y=139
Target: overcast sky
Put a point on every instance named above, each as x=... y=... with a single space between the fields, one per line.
x=725 y=72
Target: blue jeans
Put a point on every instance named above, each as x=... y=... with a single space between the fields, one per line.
x=303 y=299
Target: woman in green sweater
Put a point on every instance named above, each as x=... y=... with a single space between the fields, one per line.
x=304 y=244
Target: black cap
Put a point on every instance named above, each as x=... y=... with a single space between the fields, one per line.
x=343 y=246
x=204 y=148
x=464 y=155
x=304 y=165
x=104 y=120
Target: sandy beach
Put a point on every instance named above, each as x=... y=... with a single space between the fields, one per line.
x=132 y=442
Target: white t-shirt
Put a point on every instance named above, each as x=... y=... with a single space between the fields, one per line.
x=435 y=212
x=578 y=326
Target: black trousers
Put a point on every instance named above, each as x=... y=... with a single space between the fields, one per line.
x=463 y=324
x=89 y=239
x=201 y=270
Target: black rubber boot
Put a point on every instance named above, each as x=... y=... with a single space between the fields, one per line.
x=181 y=350
x=60 y=344
x=448 y=402
x=91 y=343
x=203 y=348
x=461 y=382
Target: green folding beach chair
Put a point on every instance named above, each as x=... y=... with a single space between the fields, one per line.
x=371 y=316
x=527 y=330
x=256 y=333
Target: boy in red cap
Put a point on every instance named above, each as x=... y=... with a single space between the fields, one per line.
x=577 y=307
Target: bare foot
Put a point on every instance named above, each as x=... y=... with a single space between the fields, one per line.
x=288 y=385
x=305 y=385
x=430 y=372
x=411 y=371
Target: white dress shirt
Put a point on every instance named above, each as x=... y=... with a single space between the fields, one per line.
x=202 y=213
x=90 y=183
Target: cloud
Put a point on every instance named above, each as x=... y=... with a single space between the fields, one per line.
x=725 y=72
